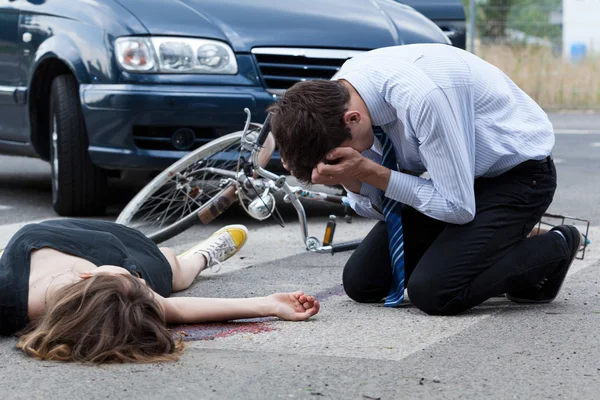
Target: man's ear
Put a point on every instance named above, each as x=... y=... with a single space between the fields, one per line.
x=352 y=117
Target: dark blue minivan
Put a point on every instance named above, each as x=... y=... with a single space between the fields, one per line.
x=97 y=87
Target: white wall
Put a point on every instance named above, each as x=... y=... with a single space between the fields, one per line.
x=581 y=23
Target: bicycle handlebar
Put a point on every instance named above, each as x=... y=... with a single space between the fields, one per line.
x=264 y=131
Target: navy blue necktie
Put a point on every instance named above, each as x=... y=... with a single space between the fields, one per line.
x=393 y=221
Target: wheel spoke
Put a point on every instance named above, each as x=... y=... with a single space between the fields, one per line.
x=185 y=190
x=146 y=218
x=152 y=220
x=161 y=198
x=166 y=212
x=195 y=202
x=183 y=213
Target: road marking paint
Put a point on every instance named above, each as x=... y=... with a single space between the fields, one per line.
x=390 y=337
x=393 y=341
x=596 y=144
x=576 y=132
x=8 y=230
x=4 y=208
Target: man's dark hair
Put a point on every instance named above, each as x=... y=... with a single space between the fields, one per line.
x=308 y=122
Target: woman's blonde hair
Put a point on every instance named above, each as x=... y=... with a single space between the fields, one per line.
x=103 y=319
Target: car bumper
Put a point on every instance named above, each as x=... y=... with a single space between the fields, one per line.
x=129 y=125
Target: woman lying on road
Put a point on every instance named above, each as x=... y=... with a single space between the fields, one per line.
x=96 y=291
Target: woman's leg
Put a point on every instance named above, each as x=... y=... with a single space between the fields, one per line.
x=185 y=268
x=222 y=245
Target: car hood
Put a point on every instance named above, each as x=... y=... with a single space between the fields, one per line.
x=359 y=24
x=438 y=9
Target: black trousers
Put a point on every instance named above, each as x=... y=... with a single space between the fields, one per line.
x=452 y=268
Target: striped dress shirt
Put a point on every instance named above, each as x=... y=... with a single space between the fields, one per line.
x=450 y=114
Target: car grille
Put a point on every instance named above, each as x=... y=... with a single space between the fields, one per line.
x=161 y=137
x=280 y=67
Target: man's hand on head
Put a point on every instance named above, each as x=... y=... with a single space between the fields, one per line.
x=348 y=167
x=341 y=166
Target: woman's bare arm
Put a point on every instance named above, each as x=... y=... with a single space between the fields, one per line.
x=189 y=310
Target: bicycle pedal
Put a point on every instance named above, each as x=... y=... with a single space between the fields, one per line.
x=329 y=231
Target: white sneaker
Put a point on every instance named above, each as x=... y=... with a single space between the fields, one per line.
x=221 y=245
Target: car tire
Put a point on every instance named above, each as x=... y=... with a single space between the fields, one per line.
x=79 y=188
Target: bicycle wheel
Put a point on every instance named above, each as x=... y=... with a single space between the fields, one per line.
x=187 y=192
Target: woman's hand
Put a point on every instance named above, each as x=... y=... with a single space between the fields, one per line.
x=294 y=306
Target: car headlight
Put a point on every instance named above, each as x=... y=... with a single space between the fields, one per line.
x=135 y=54
x=173 y=55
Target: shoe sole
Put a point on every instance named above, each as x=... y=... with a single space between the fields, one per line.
x=545 y=301
x=223 y=229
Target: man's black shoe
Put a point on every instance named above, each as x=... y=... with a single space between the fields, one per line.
x=547 y=290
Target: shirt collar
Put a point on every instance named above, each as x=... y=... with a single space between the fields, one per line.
x=381 y=112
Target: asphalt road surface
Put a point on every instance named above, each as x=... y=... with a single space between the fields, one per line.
x=349 y=351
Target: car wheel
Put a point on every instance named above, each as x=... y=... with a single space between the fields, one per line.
x=78 y=187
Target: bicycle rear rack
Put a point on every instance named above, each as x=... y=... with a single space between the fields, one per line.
x=552 y=220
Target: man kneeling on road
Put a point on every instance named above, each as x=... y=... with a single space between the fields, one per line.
x=460 y=237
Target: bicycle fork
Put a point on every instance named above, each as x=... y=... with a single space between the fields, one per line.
x=313 y=244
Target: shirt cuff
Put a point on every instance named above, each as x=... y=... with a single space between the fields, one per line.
x=363 y=206
x=403 y=188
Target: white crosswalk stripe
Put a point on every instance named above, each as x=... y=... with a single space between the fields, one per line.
x=392 y=340
x=7 y=230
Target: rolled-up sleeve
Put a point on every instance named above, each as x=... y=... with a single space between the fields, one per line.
x=445 y=132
